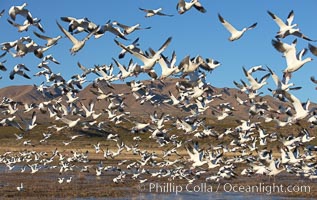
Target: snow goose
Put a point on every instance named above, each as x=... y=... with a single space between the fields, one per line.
x=172 y=99
x=129 y=29
x=254 y=84
x=12 y=109
x=87 y=71
x=148 y=62
x=60 y=180
x=77 y=44
x=274 y=168
x=188 y=65
x=240 y=101
x=6 y=46
x=70 y=123
x=32 y=123
x=140 y=127
x=124 y=73
x=187 y=127
x=294 y=62
x=287 y=28
x=132 y=47
x=20 y=188
x=19 y=137
x=73 y=137
x=256 y=68
x=108 y=26
x=20 y=10
x=97 y=147
x=100 y=94
x=226 y=172
x=34 y=168
x=262 y=132
x=259 y=169
x=243 y=87
x=87 y=111
x=151 y=13
x=195 y=156
x=183 y=6
x=214 y=160
x=71 y=97
x=18 y=69
x=301 y=110
x=136 y=86
x=209 y=64
x=51 y=58
x=39 y=50
x=50 y=41
x=23 y=48
x=223 y=114
x=306 y=136
x=197 y=91
x=69 y=179
x=79 y=25
x=281 y=85
x=235 y=34
x=26 y=24
x=20 y=27
x=168 y=66
x=282 y=123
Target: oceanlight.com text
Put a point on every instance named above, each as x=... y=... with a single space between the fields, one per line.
x=266 y=188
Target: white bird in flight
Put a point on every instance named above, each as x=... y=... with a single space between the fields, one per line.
x=183 y=6
x=18 y=69
x=77 y=44
x=287 y=28
x=151 y=13
x=294 y=61
x=50 y=41
x=235 y=34
x=148 y=62
x=20 y=10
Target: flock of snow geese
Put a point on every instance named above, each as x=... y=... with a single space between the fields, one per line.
x=247 y=141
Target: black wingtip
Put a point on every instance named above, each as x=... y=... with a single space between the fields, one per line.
x=254 y=25
x=274 y=42
x=290 y=14
x=312 y=49
x=271 y=14
x=312 y=78
x=245 y=71
x=221 y=18
x=270 y=70
x=121 y=55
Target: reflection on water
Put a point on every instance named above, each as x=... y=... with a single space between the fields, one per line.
x=50 y=175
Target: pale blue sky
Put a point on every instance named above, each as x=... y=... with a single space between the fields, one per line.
x=193 y=34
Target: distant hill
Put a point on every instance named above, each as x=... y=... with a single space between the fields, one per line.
x=23 y=93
